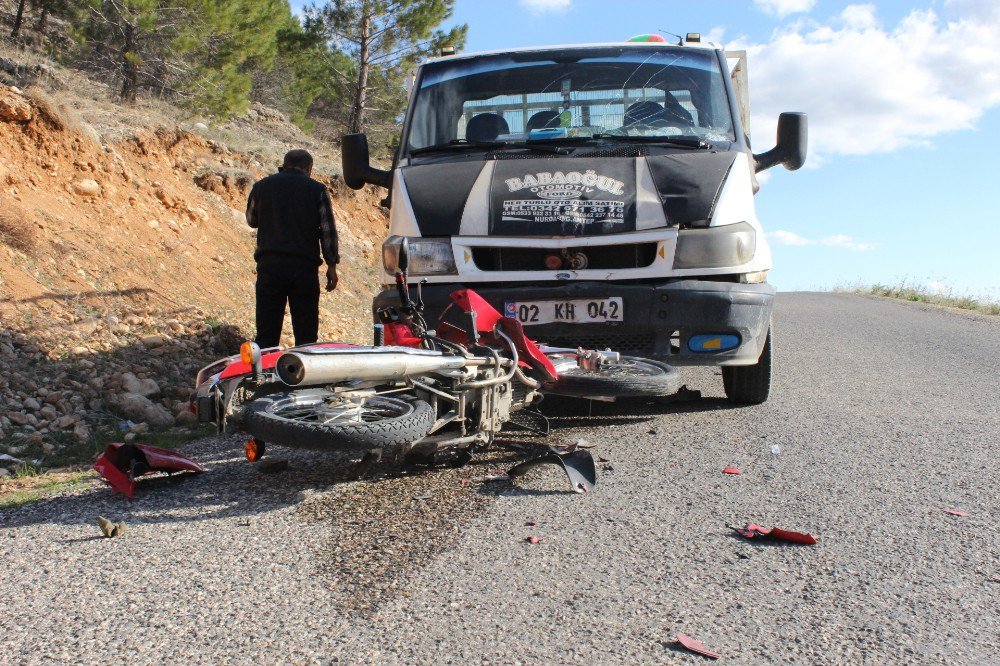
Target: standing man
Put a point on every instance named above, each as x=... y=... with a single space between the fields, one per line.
x=293 y=217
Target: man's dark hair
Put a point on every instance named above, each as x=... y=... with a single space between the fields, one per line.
x=298 y=159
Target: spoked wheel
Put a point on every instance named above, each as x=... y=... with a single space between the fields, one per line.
x=629 y=377
x=324 y=420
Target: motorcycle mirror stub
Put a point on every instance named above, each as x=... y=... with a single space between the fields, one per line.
x=791 y=149
x=403 y=260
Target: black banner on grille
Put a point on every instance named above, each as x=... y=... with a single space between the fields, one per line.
x=584 y=198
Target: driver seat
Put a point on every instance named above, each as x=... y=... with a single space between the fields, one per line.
x=486 y=127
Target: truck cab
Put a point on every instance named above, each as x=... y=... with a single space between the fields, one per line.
x=603 y=195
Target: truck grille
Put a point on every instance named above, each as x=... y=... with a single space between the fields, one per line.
x=629 y=342
x=602 y=257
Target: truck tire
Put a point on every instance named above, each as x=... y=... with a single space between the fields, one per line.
x=301 y=419
x=750 y=384
x=631 y=377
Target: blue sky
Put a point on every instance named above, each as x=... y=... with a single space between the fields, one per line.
x=904 y=104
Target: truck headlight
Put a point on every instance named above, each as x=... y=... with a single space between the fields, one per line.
x=715 y=247
x=428 y=256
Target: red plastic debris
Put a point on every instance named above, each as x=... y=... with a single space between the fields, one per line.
x=697 y=646
x=530 y=523
x=121 y=464
x=752 y=531
x=953 y=512
x=464 y=482
x=532 y=540
x=731 y=470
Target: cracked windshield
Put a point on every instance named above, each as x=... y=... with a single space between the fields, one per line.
x=555 y=95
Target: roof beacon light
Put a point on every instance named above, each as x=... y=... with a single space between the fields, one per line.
x=693 y=38
x=447 y=51
x=649 y=38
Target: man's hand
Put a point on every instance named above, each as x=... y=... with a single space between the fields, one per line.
x=331 y=277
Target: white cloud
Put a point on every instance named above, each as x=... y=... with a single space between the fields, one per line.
x=539 y=6
x=781 y=237
x=870 y=88
x=784 y=7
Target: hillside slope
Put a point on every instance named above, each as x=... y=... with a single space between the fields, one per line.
x=123 y=247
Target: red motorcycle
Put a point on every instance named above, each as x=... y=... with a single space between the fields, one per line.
x=430 y=394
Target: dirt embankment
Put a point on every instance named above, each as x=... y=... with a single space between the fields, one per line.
x=131 y=254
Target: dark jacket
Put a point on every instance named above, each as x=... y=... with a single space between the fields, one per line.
x=294 y=219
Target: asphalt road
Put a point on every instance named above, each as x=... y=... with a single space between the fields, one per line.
x=885 y=415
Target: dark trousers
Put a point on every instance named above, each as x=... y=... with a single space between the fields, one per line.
x=296 y=284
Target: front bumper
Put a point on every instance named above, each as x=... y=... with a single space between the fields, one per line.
x=660 y=318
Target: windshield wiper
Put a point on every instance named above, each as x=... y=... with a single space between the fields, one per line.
x=458 y=144
x=685 y=141
x=465 y=144
x=540 y=148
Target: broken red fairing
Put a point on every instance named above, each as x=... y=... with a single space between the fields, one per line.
x=752 y=531
x=121 y=464
x=695 y=645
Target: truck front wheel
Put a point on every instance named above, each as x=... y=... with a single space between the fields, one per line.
x=750 y=384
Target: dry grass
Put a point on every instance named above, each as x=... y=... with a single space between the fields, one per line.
x=919 y=293
x=58 y=115
x=17 y=229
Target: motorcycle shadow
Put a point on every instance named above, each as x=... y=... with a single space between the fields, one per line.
x=564 y=412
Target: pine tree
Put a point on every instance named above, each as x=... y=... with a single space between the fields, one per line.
x=382 y=38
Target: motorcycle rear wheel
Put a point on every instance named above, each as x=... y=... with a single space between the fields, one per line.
x=314 y=419
x=629 y=377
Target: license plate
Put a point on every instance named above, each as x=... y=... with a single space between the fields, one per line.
x=576 y=311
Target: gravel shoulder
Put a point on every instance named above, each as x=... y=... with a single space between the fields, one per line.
x=884 y=416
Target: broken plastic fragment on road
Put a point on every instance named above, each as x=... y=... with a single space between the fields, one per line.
x=694 y=645
x=954 y=512
x=752 y=531
x=532 y=540
x=578 y=465
x=732 y=470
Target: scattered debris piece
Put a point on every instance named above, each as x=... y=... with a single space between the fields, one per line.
x=652 y=431
x=532 y=540
x=752 y=531
x=425 y=496
x=496 y=477
x=732 y=470
x=775 y=449
x=602 y=460
x=954 y=512
x=272 y=466
x=696 y=646
x=110 y=529
x=530 y=523
x=464 y=482
x=121 y=464
x=742 y=556
x=578 y=465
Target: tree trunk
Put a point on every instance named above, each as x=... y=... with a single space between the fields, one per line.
x=43 y=19
x=18 y=20
x=361 y=94
x=130 y=69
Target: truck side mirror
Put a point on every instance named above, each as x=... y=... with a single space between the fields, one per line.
x=357 y=164
x=793 y=138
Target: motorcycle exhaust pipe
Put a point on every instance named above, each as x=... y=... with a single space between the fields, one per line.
x=302 y=368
